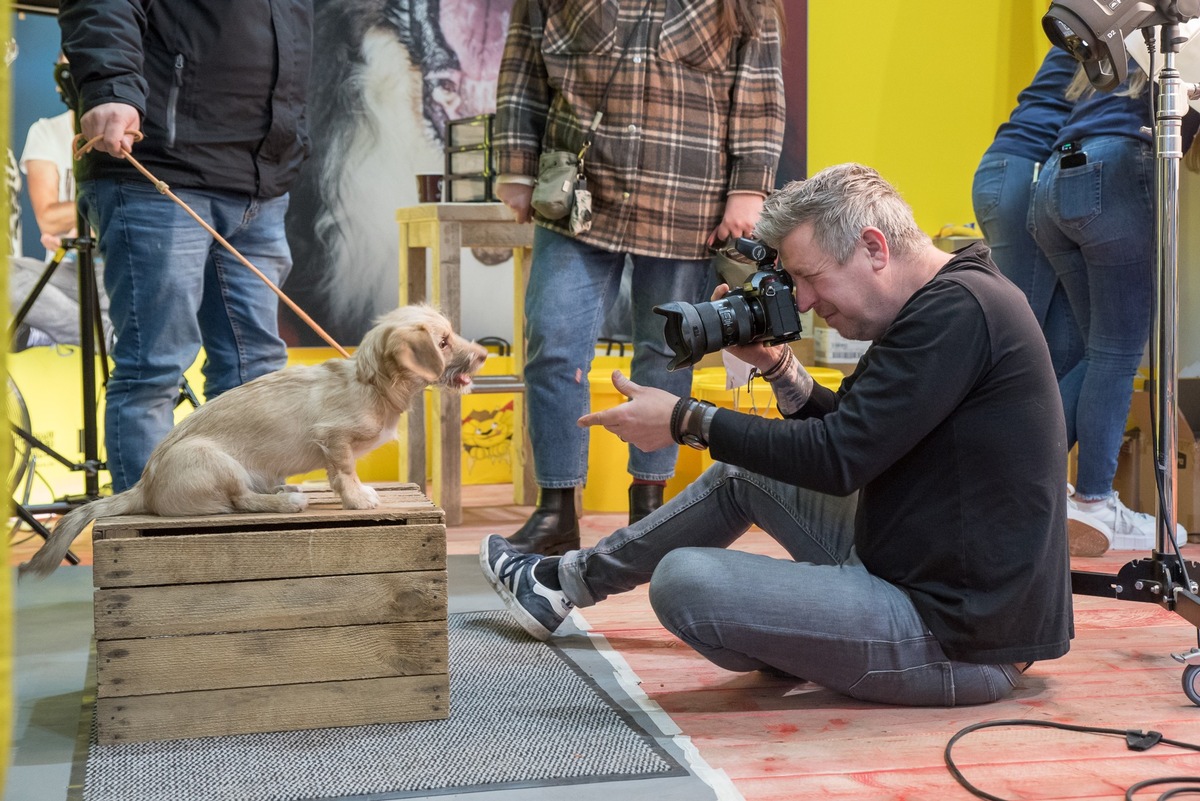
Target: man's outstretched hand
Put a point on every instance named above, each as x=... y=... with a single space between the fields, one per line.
x=643 y=421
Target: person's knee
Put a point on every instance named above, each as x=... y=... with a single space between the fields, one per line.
x=680 y=582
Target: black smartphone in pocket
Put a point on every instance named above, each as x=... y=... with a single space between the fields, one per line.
x=1073 y=156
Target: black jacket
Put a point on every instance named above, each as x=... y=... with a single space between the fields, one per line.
x=220 y=84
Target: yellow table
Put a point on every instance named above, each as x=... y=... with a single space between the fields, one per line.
x=440 y=231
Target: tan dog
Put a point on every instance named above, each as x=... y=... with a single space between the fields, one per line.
x=234 y=452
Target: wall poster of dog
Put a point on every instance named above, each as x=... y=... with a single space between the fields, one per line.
x=387 y=76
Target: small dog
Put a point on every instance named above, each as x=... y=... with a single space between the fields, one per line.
x=234 y=452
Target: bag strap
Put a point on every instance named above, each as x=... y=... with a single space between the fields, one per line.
x=599 y=115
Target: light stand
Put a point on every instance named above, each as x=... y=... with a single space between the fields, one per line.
x=1163 y=577
x=92 y=349
x=91 y=343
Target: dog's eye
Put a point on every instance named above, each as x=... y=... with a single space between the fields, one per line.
x=445 y=343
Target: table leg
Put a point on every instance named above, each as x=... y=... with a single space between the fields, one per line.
x=412 y=290
x=446 y=422
x=524 y=484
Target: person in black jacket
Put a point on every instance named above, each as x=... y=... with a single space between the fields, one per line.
x=218 y=91
x=922 y=504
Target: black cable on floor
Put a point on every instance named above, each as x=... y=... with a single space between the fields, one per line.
x=1134 y=740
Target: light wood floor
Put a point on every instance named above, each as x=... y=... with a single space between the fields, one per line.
x=779 y=741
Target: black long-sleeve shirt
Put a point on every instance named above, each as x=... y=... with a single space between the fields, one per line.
x=952 y=428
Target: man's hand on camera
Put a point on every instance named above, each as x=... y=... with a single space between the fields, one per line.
x=517 y=197
x=644 y=421
x=113 y=121
x=755 y=354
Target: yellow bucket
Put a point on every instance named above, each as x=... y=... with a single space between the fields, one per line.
x=607 y=487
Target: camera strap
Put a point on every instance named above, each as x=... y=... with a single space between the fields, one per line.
x=590 y=133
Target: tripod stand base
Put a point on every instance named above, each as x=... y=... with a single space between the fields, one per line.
x=1160 y=579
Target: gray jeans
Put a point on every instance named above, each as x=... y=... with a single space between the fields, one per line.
x=822 y=617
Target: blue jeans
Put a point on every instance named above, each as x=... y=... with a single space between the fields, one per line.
x=1002 y=195
x=820 y=616
x=571 y=285
x=172 y=288
x=1095 y=223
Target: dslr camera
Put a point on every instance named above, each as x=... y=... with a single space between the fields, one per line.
x=763 y=309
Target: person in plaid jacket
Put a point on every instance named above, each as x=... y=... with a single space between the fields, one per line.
x=686 y=149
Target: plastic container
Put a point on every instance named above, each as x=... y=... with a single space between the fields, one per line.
x=607 y=487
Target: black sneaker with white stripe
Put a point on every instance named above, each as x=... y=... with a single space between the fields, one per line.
x=539 y=609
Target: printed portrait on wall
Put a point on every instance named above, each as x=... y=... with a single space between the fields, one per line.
x=387 y=76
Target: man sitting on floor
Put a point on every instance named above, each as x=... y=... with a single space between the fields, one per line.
x=922 y=504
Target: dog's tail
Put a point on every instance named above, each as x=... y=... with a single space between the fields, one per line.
x=51 y=554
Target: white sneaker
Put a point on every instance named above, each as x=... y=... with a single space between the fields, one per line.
x=1094 y=527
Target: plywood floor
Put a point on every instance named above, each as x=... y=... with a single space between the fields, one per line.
x=779 y=741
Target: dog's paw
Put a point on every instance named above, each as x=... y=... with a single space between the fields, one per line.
x=360 y=497
x=298 y=499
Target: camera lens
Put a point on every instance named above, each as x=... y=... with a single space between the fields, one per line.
x=691 y=331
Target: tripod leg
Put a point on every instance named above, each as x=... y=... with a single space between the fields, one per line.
x=35 y=293
x=87 y=342
x=41 y=530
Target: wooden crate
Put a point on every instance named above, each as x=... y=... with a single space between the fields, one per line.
x=230 y=624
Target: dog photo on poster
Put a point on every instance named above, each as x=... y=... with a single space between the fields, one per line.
x=387 y=76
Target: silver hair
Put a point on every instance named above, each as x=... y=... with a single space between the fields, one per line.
x=841 y=201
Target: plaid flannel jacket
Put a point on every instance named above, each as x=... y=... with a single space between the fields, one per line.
x=692 y=113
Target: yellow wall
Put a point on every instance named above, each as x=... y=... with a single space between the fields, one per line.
x=916 y=90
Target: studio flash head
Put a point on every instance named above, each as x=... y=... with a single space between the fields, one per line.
x=1094 y=31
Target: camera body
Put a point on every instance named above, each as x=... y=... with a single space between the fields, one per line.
x=762 y=309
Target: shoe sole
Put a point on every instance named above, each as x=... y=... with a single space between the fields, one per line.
x=1085 y=540
x=526 y=620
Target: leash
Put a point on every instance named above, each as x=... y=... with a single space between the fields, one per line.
x=80 y=147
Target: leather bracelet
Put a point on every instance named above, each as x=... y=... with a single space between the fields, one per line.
x=692 y=424
x=777 y=369
x=676 y=417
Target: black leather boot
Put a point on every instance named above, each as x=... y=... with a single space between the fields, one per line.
x=553 y=528
x=643 y=499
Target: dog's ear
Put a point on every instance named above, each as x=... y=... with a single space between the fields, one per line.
x=417 y=349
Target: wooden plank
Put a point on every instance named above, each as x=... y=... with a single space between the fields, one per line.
x=459 y=212
x=260 y=658
x=265 y=605
x=203 y=558
x=212 y=713
x=151 y=526
x=404 y=505
x=496 y=235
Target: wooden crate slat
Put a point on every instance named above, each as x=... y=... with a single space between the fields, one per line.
x=283 y=708
x=152 y=526
x=274 y=604
x=260 y=658
x=399 y=503
x=203 y=558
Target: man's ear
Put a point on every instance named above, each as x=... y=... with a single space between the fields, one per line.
x=877 y=247
x=416 y=350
